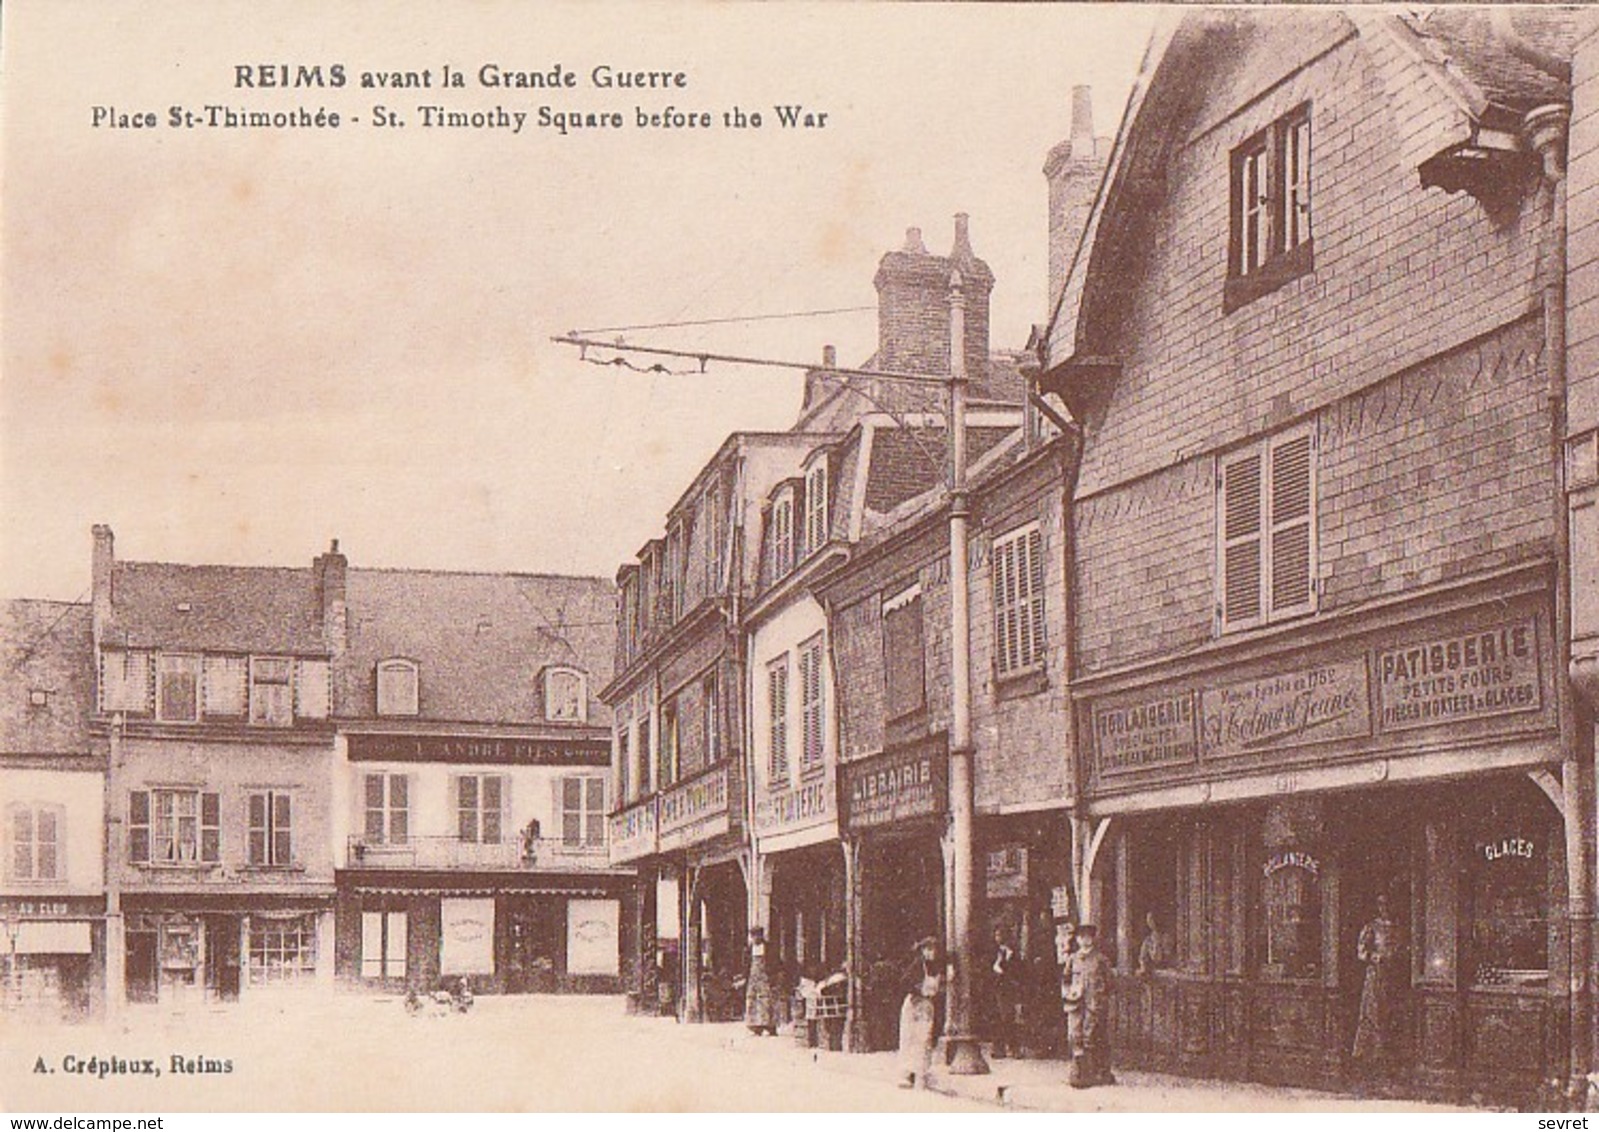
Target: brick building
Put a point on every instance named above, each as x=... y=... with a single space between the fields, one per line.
x=470 y=781
x=1318 y=644
x=52 y=782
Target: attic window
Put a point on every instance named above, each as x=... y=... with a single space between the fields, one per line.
x=565 y=695
x=815 y=506
x=184 y=607
x=397 y=687
x=1270 y=240
x=38 y=697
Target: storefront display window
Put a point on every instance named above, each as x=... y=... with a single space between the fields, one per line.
x=282 y=951
x=1291 y=894
x=1508 y=875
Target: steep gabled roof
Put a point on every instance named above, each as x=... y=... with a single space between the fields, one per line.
x=256 y=609
x=46 y=647
x=480 y=641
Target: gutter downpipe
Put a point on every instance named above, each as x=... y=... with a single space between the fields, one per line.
x=1546 y=130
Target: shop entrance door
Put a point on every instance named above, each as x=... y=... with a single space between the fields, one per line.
x=141 y=969
x=222 y=958
x=1376 y=880
x=533 y=942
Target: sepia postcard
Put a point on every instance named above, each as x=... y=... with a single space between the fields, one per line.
x=798 y=557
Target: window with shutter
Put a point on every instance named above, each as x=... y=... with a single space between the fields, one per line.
x=1270 y=228
x=815 y=507
x=782 y=536
x=226 y=685
x=905 y=681
x=813 y=719
x=482 y=807
x=139 y=826
x=270 y=843
x=398 y=687
x=1266 y=531
x=1018 y=584
x=35 y=836
x=210 y=828
x=271 y=694
x=178 y=689
x=777 y=709
x=386 y=807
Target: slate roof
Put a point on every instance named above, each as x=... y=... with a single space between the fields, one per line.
x=254 y=609
x=480 y=641
x=46 y=646
x=1463 y=40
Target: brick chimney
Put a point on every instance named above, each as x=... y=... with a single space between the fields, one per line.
x=103 y=565
x=329 y=570
x=913 y=306
x=1073 y=168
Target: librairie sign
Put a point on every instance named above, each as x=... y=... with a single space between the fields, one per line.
x=1469 y=676
x=896 y=786
x=1311 y=705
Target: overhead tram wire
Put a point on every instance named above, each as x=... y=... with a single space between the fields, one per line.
x=722 y=321
x=704 y=357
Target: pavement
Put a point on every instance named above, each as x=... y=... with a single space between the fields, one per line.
x=1039 y=1085
x=534 y=1053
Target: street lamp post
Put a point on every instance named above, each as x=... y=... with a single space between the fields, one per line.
x=965 y=1052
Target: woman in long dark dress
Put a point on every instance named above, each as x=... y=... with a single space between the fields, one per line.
x=760 y=1010
x=1378 y=948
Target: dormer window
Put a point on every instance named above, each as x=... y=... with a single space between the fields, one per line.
x=565 y=695
x=783 y=535
x=815 y=506
x=178 y=689
x=271 y=695
x=1270 y=228
x=397 y=687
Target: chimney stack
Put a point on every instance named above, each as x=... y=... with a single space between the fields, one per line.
x=102 y=567
x=329 y=570
x=1073 y=169
x=913 y=332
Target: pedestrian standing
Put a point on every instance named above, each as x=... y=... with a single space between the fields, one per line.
x=1378 y=948
x=1004 y=976
x=924 y=985
x=760 y=1010
x=1085 y=993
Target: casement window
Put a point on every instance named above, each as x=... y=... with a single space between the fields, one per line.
x=1266 y=531
x=271 y=691
x=1018 y=580
x=777 y=721
x=903 y=654
x=782 y=536
x=815 y=507
x=36 y=836
x=813 y=716
x=397 y=687
x=711 y=717
x=177 y=688
x=666 y=748
x=226 y=686
x=125 y=681
x=1271 y=209
x=481 y=806
x=383 y=942
x=271 y=842
x=386 y=808
x=582 y=807
x=565 y=695
x=174 y=827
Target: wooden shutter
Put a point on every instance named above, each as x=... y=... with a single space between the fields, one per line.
x=395 y=947
x=492 y=791
x=372 y=945
x=139 y=826
x=812 y=716
x=1034 y=613
x=777 y=710
x=210 y=828
x=1292 y=519
x=594 y=811
x=47 y=839
x=399 y=831
x=1239 y=518
x=464 y=800
x=257 y=818
x=373 y=809
x=282 y=829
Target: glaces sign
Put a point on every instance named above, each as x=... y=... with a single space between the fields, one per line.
x=1310 y=706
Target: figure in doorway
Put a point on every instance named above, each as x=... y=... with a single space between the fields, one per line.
x=924 y=986
x=1378 y=949
x=1085 y=993
x=760 y=1010
x=1005 y=978
x=1155 y=953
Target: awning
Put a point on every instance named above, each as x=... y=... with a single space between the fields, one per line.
x=50 y=937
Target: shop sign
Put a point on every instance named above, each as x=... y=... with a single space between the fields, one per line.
x=694 y=810
x=47 y=908
x=1151 y=733
x=796 y=807
x=1007 y=872
x=478 y=749
x=467 y=931
x=593 y=928
x=1509 y=848
x=1292 y=859
x=1313 y=705
x=632 y=832
x=1470 y=676
x=896 y=786
x=1060 y=902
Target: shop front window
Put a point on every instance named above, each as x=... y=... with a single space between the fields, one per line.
x=282 y=950
x=1508 y=873
x=1291 y=894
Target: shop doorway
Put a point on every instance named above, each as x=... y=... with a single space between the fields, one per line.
x=533 y=947
x=222 y=958
x=1374 y=942
x=141 y=971
x=902 y=900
